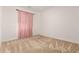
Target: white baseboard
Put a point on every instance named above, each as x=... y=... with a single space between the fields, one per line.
x=3 y=40
x=65 y=39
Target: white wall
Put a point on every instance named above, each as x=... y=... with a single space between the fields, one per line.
x=36 y=19
x=61 y=22
x=0 y=23
x=10 y=23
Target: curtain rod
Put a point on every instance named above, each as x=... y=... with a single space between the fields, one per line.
x=24 y=11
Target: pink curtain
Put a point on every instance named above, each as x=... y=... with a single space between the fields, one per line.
x=25 y=24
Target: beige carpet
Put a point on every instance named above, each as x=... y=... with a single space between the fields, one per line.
x=39 y=44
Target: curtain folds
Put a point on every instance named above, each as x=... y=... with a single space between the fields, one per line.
x=25 y=24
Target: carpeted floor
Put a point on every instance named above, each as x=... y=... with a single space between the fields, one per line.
x=39 y=44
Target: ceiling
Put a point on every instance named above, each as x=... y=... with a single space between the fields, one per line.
x=37 y=8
